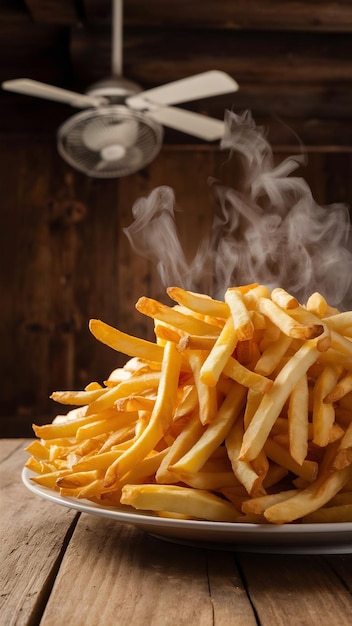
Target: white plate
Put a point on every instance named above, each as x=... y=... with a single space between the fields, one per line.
x=286 y=538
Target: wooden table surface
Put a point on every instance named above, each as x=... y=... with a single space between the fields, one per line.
x=60 y=567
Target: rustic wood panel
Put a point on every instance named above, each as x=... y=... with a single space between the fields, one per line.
x=292 y=60
x=65 y=259
x=267 y=14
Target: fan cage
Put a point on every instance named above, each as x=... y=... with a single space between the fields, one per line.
x=147 y=145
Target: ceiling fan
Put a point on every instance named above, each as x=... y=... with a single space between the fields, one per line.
x=120 y=129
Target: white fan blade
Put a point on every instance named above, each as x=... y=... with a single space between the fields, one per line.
x=188 y=122
x=204 y=85
x=31 y=87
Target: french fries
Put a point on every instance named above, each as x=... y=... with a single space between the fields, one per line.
x=240 y=411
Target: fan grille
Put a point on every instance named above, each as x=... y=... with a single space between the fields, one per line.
x=136 y=152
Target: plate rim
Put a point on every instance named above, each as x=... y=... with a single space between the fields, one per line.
x=142 y=518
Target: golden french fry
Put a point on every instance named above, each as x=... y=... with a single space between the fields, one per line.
x=310 y=499
x=198 y=302
x=324 y=414
x=127 y=344
x=283 y=299
x=160 y=418
x=341 y=322
x=298 y=420
x=342 y=388
x=269 y=409
x=219 y=354
x=243 y=471
x=80 y=398
x=191 y=502
x=242 y=321
x=259 y=504
x=182 y=444
x=77 y=479
x=171 y=316
x=273 y=355
x=330 y=515
x=286 y=323
x=207 y=395
x=317 y=304
x=343 y=456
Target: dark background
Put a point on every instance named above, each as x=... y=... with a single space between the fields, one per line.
x=64 y=258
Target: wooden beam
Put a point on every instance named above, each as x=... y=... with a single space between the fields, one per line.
x=291 y=15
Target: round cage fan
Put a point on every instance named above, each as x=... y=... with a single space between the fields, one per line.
x=109 y=141
x=121 y=130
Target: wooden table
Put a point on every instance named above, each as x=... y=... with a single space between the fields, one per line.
x=62 y=567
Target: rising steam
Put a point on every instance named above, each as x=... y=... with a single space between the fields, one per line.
x=267 y=230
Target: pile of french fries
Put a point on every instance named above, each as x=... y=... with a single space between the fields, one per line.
x=240 y=411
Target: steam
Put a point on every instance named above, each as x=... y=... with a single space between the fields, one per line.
x=267 y=230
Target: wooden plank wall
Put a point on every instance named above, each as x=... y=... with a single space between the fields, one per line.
x=65 y=259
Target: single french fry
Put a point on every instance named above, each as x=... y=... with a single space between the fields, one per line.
x=269 y=409
x=198 y=302
x=164 y=313
x=195 y=503
x=254 y=399
x=211 y=481
x=284 y=299
x=341 y=322
x=49 y=480
x=218 y=356
x=38 y=450
x=310 y=499
x=330 y=515
x=317 y=304
x=259 y=504
x=298 y=420
x=324 y=414
x=342 y=388
x=207 y=395
x=272 y=355
x=77 y=479
x=182 y=444
x=243 y=471
x=160 y=418
x=242 y=322
x=127 y=344
x=192 y=342
x=343 y=456
x=79 y=398
x=287 y=324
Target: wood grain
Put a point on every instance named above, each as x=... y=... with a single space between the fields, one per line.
x=65 y=259
x=323 y=597
x=292 y=60
x=119 y=574
x=33 y=534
